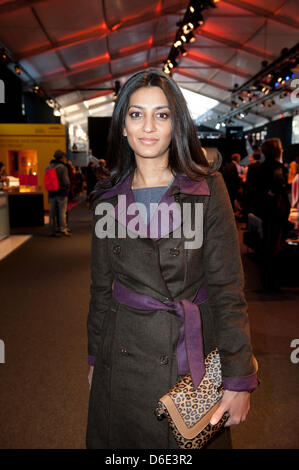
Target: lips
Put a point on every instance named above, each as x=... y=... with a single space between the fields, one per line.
x=148 y=141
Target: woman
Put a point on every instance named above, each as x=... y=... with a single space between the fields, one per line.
x=155 y=156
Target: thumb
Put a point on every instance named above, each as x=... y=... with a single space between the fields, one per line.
x=217 y=415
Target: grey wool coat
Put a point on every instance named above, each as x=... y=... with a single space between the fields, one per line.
x=134 y=351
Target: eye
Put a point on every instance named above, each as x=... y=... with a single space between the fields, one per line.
x=135 y=114
x=162 y=115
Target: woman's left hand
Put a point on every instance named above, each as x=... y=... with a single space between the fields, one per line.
x=236 y=403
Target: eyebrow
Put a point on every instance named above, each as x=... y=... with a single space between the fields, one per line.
x=142 y=107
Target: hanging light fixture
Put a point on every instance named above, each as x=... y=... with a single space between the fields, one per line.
x=191 y=21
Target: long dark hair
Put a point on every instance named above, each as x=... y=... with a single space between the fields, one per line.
x=185 y=153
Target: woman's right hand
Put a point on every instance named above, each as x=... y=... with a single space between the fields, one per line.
x=90 y=376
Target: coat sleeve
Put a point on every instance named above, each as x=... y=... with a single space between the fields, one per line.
x=225 y=286
x=100 y=292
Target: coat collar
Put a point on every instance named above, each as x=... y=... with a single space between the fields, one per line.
x=181 y=184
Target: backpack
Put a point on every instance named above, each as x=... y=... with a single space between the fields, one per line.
x=51 y=180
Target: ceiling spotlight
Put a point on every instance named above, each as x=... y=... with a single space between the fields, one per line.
x=190 y=37
x=57 y=112
x=184 y=52
x=200 y=20
x=50 y=102
x=172 y=63
x=18 y=69
x=3 y=56
x=190 y=22
x=187 y=28
x=177 y=43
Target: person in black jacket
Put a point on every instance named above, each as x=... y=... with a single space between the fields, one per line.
x=273 y=208
x=232 y=180
x=58 y=200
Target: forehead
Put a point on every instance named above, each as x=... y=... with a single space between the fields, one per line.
x=151 y=95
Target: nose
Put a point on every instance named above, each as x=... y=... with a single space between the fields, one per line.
x=149 y=124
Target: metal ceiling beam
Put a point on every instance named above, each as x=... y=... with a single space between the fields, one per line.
x=79 y=101
x=108 y=78
x=233 y=44
x=96 y=33
x=200 y=80
x=217 y=65
x=10 y=7
x=107 y=59
x=258 y=11
x=90 y=108
x=209 y=82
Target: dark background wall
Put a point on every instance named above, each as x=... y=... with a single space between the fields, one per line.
x=37 y=110
x=98 y=129
x=11 y=110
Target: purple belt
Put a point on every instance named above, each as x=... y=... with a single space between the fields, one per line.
x=190 y=356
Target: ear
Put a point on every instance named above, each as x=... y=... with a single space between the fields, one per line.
x=125 y=132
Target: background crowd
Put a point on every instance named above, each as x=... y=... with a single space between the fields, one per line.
x=261 y=196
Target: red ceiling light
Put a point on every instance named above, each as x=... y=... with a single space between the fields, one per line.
x=115 y=27
x=159 y=7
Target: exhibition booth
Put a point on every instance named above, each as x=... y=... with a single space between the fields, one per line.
x=26 y=150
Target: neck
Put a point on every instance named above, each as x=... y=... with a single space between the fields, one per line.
x=149 y=174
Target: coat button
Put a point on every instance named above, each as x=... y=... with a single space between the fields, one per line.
x=164 y=360
x=165 y=300
x=116 y=249
x=174 y=251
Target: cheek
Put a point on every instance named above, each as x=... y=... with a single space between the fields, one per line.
x=130 y=129
x=168 y=133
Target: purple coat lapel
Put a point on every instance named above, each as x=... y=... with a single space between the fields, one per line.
x=127 y=211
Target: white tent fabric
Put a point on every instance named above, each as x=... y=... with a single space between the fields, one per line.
x=76 y=49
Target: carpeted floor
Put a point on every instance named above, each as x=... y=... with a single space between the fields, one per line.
x=43 y=382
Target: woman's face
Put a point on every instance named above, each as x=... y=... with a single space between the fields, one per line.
x=148 y=123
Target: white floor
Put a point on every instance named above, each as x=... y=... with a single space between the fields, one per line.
x=8 y=245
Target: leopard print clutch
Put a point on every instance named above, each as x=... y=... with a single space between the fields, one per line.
x=189 y=410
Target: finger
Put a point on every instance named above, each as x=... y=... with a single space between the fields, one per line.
x=233 y=421
x=217 y=416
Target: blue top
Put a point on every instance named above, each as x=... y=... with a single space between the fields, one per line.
x=150 y=195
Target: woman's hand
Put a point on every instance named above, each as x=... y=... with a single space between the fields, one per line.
x=90 y=376
x=236 y=403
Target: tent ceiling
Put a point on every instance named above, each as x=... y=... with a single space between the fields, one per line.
x=76 y=49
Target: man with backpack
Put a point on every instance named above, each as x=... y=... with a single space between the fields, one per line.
x=57 y=183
